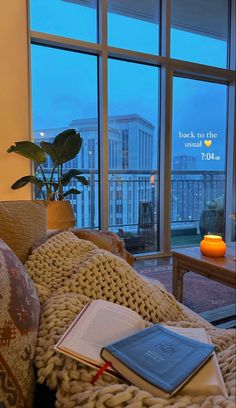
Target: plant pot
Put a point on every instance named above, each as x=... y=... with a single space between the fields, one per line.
x=60 y=215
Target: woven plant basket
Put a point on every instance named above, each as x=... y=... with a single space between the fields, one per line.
x=60 y=215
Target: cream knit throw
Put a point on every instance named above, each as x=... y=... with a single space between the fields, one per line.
x=67 y=272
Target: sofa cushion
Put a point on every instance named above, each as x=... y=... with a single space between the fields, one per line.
x=22 y=223
x=19 y=320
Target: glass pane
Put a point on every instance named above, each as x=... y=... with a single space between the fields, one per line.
x=67 y=18
x=133 y=154
x=199 y=31
x=134 y=25
x=65 y=96
x=198 y=160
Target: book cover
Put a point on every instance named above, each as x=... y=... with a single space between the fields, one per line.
x=208 y=380
x=157 y=359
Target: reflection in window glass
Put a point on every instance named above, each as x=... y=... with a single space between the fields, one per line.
x=199 y=31
x=67 y=18
x=65 y=96
x=134 y=25
x=133 y=154
x=198 y=160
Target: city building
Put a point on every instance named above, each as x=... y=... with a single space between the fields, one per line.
x=130 y=140
x=131 y=149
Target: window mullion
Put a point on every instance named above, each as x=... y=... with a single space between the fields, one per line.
x=165 y=158
x=231 y=144
x=165 y=28
x=103 y=114
x=232 y=60
x=165 y=132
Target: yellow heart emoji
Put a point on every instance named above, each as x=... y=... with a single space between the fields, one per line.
x=207 y=143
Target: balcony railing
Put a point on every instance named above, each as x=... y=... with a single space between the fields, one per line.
x=134 y=191
x=190 y=192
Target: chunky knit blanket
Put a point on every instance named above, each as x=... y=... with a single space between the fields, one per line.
x=68 y=272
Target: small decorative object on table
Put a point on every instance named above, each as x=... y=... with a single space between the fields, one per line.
x=213 y=246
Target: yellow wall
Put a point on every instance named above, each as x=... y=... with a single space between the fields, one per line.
x=14 y=96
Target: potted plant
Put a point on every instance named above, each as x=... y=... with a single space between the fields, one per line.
x=52 y=182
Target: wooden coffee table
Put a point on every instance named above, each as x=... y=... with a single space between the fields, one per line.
x=222 y=270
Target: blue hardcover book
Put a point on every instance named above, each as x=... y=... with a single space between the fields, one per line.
x=157 y=359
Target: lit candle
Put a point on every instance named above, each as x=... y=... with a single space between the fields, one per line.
x=213 y=246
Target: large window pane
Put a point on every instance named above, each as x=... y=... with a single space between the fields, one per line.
x=198 y=160
x=65 y=96
x=133 y=154
x=199 y=31
x=134 y=25
x=68 y=18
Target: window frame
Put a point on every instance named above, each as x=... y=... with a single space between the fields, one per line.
x=169 y=68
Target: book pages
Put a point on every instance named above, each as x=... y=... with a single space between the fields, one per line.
x=99 y=323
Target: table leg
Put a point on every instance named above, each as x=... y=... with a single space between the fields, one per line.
x=177 y=279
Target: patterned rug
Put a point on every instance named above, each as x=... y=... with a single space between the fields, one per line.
x=200 y=294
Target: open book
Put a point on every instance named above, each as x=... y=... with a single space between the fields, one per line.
x=100 y=323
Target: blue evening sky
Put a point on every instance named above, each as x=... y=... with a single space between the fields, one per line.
x=65 y=83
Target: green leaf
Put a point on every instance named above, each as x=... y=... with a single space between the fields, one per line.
x=69 y=175
x=23 y=181
x=82 y=180
x=29 y=150
x=59 y=139
x=67 y=145
x=71 y=191
x=51 y=150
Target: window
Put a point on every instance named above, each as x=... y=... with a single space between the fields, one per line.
x=66 y=18
x=198 y=159
x=124 y=81
x=199 y=31
x=134 y=25
x=65 y=95
x=134 y=124
x=125 y=149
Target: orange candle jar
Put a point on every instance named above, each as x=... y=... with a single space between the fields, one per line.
x=213 y=246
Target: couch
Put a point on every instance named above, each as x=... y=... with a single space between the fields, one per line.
x=45 y=281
